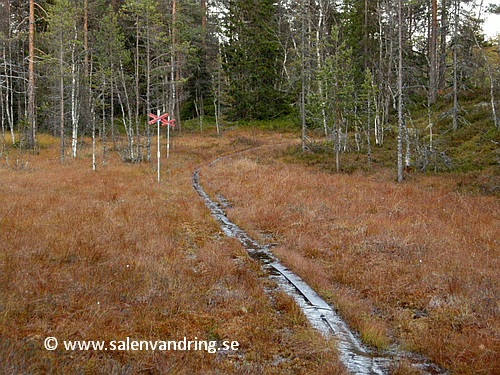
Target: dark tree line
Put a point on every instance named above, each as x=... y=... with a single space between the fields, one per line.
x=347 y=68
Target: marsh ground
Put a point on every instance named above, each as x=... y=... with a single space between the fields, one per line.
x=112 y=254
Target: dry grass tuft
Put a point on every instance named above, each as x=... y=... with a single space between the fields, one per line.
x=111 y=254
x=414 y=263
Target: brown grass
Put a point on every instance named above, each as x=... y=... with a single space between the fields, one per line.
x=414 y=263
x=111 y=254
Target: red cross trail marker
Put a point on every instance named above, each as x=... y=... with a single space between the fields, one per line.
x=164 y=120
x=155 y=118
x=168 y=122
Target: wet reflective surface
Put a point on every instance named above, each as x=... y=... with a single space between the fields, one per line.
x=355 y=357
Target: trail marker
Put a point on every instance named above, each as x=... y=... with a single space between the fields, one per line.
x=156 y=118
x=164 y=120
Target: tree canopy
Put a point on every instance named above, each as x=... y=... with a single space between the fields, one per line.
x=109 y=63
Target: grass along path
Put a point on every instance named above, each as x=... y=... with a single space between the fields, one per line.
x=111 y=254
x=354 y=355
x=414 y=265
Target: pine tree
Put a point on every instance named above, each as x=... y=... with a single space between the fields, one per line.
x=252 y=58
x=112 y=58
x=338 y=77
x=64 y=41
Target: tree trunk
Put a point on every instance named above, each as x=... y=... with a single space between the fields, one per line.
x=148 y=90
x=126 y=114
x=86 y=38
x=75 y=114
x=433 y=54
x=442 y=50
x=112 y=104
x=319 y=29
x=303 y=78
x=408 y=146
x=8 y=105
x=400 y=91
x=203 y=5
x=31 y=78
x=61 y=97
x=104 y=138
x=455 y=66
x=173 y=92
x=490 y=76
x=216 y=89
x=137 y=90
x=365 y=36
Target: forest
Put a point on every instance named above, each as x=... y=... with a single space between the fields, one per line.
x=351 y=72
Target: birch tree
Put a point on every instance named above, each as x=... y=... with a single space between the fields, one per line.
x=433 y=58
x=304 y=22
x=337 y=73
x=65 y=48
x=401 y=129
x=496 y=120
x=368 y=99
x=456 y=13
x=109 y=52
x=31 y=114
x=7 y=72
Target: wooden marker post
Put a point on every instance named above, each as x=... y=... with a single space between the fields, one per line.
x=158 y=153
x=163 y=120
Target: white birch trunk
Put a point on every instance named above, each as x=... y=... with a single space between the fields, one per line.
x=455 y=80
x=400 y=91
x=74 y=97
x=318 y=63
x=137 y=93
x=31 y=105
x=127 y=114
x=408 y=147
x=303 y=78
x=61 y=99
x=9 y=94
x=173 y=103
x=148 y=90
x=104 y=138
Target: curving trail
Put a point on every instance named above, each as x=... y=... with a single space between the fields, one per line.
x=354 y=355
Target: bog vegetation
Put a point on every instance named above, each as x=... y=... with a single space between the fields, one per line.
x=111 y=254
x=413 y=264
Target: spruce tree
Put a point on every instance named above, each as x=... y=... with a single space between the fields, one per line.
x=252 y=58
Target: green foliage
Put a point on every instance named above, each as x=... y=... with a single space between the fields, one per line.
x=284 y=124
x=475 y=144
x=244 y=62
x=251 y=60
x=359 y=25
x=110 y=49
x=334 y=104
x=473 y=147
